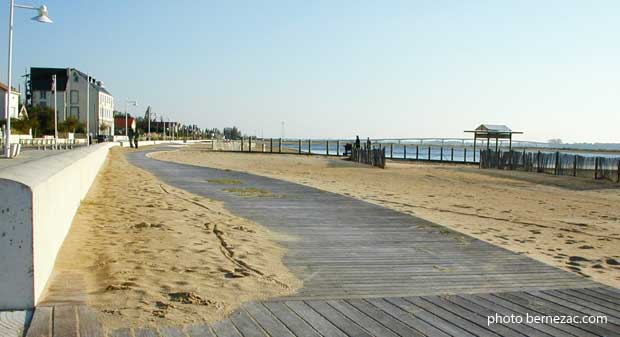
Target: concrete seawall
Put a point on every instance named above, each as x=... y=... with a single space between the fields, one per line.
x=38 y=201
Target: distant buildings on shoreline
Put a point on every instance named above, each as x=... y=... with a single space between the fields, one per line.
x=71 y=93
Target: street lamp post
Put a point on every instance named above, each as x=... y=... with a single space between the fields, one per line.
x=87 y=110
x=134 y=103
x=148 y=112
x=169 y=129
x=42 y=17
x=54 y=84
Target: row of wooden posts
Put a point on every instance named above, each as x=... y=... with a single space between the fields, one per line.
x=369 y=156
x=246 y=145
x=530 y=161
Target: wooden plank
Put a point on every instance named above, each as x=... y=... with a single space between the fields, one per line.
x=559 y=301
x=146 y=332
x=607 y=292
x=406 y=317
x=361 y=319
x=471 y=316
x=544 y=310
x=337 y=319
x=469 y=327
x=65 y=321
x=266 y=320
x=88 y=323
x=552 y=329
x=225 y=328
x=171 y=331
x=586 y=303
x=246 y=325
x=290 y=319
x=383 y=318
x=199 y=330
x=318 y=322
x=598 y=295
x=41 y=324
x=14 y=323
x=561 y=310
x=581 y=297
x=503 y=311
x=523 y=329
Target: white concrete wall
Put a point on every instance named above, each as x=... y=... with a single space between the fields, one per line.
x=38 y=200
x=16 y=264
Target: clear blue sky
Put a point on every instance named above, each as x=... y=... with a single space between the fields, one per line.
x=339 y=68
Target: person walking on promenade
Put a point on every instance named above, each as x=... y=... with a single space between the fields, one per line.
x=136 y=135
x=368 y=143
x=130 y=136
x=357 y=142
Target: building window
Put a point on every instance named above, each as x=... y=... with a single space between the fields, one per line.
x=43 y=94
x=75 y=97
x=75 y=111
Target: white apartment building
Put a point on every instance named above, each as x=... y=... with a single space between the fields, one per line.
x=13 y=101
x=71 y=86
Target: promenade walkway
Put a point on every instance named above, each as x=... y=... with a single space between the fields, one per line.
x=369 y=270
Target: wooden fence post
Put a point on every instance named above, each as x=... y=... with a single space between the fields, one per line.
x=337 y=148
x=280 y=145
x=464 y=155
x=327 y=147
x=429 y=153
x=405 y=152
x=417 y=151
x=618 y=179
x=392 y=151
x=557 y=163
x=595 y=168
x=309 y=146
x=271 y=145
x=441 y=153
x=241 y=144
x=250 y=144
x=300 y=146
x=451 y=154
x=575 y=166
x=538 y=162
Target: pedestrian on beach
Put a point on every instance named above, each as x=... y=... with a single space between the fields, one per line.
x=130 y=136
x=357 y=142
x=368 y=143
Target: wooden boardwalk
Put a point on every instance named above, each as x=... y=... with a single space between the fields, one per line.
x=369 y=270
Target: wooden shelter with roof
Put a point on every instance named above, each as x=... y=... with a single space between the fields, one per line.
x=493 y=131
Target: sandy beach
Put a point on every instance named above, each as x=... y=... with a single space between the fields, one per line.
x=142 y=253
x=570 y=223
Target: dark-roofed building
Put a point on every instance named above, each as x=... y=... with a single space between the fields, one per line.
x=71 y=87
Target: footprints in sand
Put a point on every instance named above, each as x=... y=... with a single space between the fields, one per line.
x=580 y=264
x=145 y=225
x=183 y=298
